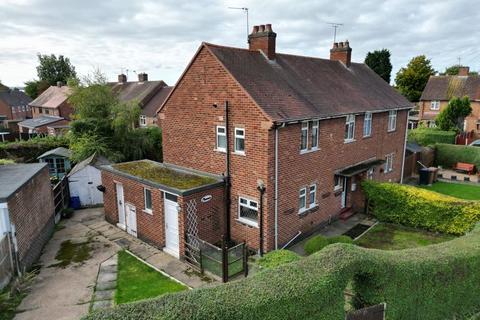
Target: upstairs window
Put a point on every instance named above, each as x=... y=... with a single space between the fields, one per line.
x=312 y=190
x=392 y=120
x=367 y=124
x=350 y=128
x=240 y=140
x=314 y=135
x=147 y=195
x=388 y=163
x=302 y=200
x=143 y=120
x=221 y=139
x=248 y=211
x=435 y=105
x=304 y=138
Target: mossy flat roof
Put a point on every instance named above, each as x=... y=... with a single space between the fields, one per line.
x=165 y=175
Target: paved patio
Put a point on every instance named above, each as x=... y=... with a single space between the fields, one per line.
x=454 y=176
x=337 y=228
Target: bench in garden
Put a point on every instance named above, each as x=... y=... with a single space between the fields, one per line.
x=465 y=167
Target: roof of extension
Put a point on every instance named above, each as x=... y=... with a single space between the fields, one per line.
x=14 y=176
x=292 y=88
x=39 y=122
x=149 y=94
x=53 y=97
x=447 y=87
x=13 y=97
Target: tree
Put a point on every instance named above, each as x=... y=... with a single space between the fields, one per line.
x=34 y=88
x=453 y=71
x=451 y=118
x=412 y=79
x=379 y=61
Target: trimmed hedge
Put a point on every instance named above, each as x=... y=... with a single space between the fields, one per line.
x=430 y=136
x=447 y=155
x=434 y=282
x=416 y=207
x=319 y=242
x=277 y=258
x=29 y=150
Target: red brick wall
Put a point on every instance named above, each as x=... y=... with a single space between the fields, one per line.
x=5 y=110
x=31 y=210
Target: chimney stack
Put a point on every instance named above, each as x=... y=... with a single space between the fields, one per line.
x=263 y=38
x=142 y=77
x=122 y=78
x=463 y=71
x=342 y=52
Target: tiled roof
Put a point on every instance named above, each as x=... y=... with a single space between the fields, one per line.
x=295 y=87
x=53 y=97
x=14 y=98
x=40 y=121
x=447 y=87
x=150 y=108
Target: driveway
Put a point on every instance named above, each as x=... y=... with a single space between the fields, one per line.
x=63 y=289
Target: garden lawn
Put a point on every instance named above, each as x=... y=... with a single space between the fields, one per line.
x=137 y=281
x=395 y=237
x=457 y=190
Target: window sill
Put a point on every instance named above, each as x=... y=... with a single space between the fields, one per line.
x=309 y=150
x=220 y=150
x=367 y=137
x=349 y=141
x=238 y=153
x=150 y=212
x=305 y=211
x=247 y=222
x=390 y=131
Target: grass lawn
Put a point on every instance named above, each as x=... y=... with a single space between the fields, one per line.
x=394 y=237
x=137 y=281
x=457 y=190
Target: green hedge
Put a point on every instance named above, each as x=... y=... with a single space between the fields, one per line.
x=447 y=155
x=416 y=207
x=319 y=242
x=277 y=258
x=432 y=282
x=29 y=150
x=431 y=136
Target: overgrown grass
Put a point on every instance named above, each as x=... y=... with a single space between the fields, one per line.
x=395 y=237
x=72 y=252
x=137 y=281
x=457 y=190
x=154 y=172
x=12 y=295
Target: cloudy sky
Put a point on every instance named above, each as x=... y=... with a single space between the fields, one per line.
x=159 y=37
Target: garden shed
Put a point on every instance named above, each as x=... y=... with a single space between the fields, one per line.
x=84 y=179
x=58 y=160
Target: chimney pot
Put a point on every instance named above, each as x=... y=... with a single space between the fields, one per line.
x=122 y=78
x=261 y=28
x=268 y=27
x=263 y=38
x=255 y=29
x=142 y=77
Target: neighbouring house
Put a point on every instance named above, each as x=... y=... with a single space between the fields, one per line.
x=26 y=212
x=440 y=89
x=156 y=202
x=53 y=102
x=14 y=104
x=150 y=95
x=84 y=178
x=58 y=160
x=293 y=137
x=40 y=125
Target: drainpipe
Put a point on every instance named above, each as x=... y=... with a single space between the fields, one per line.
x=261 y=190
x=276 y=188
x=404 y=148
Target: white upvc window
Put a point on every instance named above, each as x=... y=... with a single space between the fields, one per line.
x=388 y=167
x=370 y=172
x=143 y=120
x=314 y=135
x=147 y=197
x=221 y=137
x=367 y=124
x=337 y=183
x=350 y=128
x=248 y=211
x=240 y=140
x=392 y=120
x=435 y=105
x=13 y=109
x=312 y=190
x=304 y=137
x=302 y=200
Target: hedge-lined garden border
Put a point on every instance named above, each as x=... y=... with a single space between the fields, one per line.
x=447 y=155
x=431 y=136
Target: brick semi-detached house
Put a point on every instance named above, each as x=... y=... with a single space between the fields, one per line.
x=308 y=129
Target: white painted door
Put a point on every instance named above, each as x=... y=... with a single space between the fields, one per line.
x=344 y=193
x=171 y=228
x=131 y=220
x=120 y=205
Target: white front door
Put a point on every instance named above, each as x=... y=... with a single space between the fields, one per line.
x=120 y=205
x=131 y=220
x=344 y=193
x=171 y=228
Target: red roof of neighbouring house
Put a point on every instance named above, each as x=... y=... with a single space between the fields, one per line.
x=447 y=87
x=53 y=97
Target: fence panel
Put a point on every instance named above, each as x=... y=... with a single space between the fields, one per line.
x=235 y=259
x=6 y=262
x=61 y=197
x=211 y=258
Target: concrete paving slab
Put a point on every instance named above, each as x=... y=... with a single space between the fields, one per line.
x=106 y=285
x=97 y=305
x=104 y=295
x=106 y=277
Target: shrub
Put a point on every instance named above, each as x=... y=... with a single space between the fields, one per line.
x=29 y=150
x=277 y=258
x=315 y=244
x=431 y=136
x=448 y=155
x=340 y=239
x=433 y=282
x=416 y=207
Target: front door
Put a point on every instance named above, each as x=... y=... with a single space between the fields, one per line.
x=131 y=220
x=344 y=193
x=171 y=228
x=120 y=205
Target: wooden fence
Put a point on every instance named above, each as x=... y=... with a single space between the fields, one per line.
x=61 y=197
x=6 y=260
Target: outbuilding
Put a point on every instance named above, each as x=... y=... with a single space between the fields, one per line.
x=84 y=178
x=58 y=160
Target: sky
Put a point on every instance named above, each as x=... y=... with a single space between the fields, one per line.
x=160 y=37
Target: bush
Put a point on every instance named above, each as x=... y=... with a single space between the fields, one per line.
x=29 y=150
x=319 y=242
x=433 y=282
x=431 y=136
x=416 y=207
x=277 y=258
x=448 y=155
